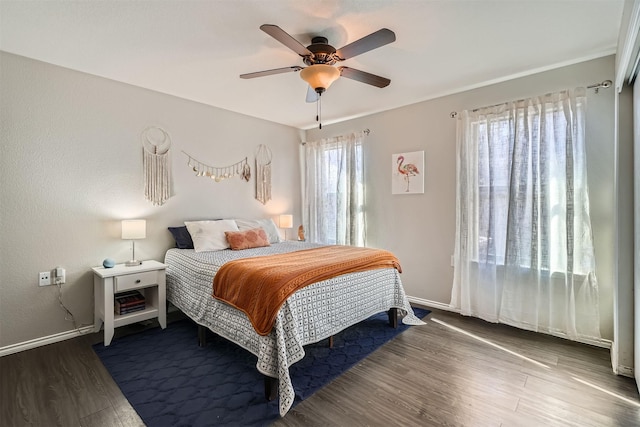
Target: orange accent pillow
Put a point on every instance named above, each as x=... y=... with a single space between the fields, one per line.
x=247 y=239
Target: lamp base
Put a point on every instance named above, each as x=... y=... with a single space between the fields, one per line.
x=132 y=263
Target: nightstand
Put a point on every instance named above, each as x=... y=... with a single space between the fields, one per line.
x=148 y=278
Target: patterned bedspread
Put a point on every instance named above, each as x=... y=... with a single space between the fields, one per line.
x=309 y=315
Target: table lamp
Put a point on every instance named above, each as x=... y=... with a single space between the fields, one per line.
x=285 y=221
x=133 y=229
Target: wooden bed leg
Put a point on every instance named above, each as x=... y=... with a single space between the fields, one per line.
x=202 y=336
x=393 y=317
x=331 y=341
x=270 y=388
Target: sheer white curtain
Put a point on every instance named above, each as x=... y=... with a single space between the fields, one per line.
x=524 y=250
x=333 y=199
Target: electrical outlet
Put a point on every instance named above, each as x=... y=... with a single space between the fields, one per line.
x=44 y=278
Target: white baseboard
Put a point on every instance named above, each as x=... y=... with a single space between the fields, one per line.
x=38 y=342
x=62 y=336
x=618 y=369
x=445 y=307
x=625 y=371
x=602 y=343
x=432 y=304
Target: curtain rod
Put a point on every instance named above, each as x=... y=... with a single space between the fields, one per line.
x=366 y=131
x=604 y=84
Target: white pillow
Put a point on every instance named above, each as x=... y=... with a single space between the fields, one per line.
x=209 y=235
x=266 y=224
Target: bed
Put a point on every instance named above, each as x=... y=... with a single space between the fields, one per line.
x=309 y=315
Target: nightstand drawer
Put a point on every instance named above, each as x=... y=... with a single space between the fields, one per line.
x=134 y=281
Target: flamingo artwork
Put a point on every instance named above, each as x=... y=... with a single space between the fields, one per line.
x=407 y=170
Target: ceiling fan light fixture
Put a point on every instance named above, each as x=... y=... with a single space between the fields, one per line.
x=320 y=76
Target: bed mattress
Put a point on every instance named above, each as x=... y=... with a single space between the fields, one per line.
x=313 y=313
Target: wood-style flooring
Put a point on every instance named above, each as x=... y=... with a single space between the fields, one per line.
x=453 y=371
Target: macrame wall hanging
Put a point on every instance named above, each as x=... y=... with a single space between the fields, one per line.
x=263 y=174
x=218 y=173
x=156 y=165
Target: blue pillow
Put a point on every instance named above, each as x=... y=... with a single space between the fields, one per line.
x=182 y=237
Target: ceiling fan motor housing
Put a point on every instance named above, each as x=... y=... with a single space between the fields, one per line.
x=323 y=52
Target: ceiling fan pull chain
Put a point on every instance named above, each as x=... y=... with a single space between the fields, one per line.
x=319 y=111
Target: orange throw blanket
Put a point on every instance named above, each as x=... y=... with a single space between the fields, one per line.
x=260 y=285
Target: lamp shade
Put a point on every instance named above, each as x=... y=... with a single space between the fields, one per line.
x=134 y=229
x=320 y=76
x=286 y=221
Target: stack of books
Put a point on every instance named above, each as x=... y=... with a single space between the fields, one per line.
x=128 y=302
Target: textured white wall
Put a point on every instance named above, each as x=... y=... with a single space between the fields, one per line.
x=71 y=168
x=420 y=228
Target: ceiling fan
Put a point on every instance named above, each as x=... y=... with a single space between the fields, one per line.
x=320 y=58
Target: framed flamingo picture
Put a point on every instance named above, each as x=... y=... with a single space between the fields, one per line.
x=407 y=175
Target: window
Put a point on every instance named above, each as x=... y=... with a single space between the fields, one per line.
x=523 y=247
x=522 y=189
x=334 y=193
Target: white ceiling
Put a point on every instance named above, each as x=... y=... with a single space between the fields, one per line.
x=197 y=49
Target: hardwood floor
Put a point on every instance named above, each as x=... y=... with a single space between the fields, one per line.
x=454 y=371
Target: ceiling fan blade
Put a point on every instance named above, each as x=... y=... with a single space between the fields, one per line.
x=312 y=95
x=270 y=72
x=364 y=77
x=283 y=37
x=367 y=43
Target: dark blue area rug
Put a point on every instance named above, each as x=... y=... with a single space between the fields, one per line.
x=170 y=381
